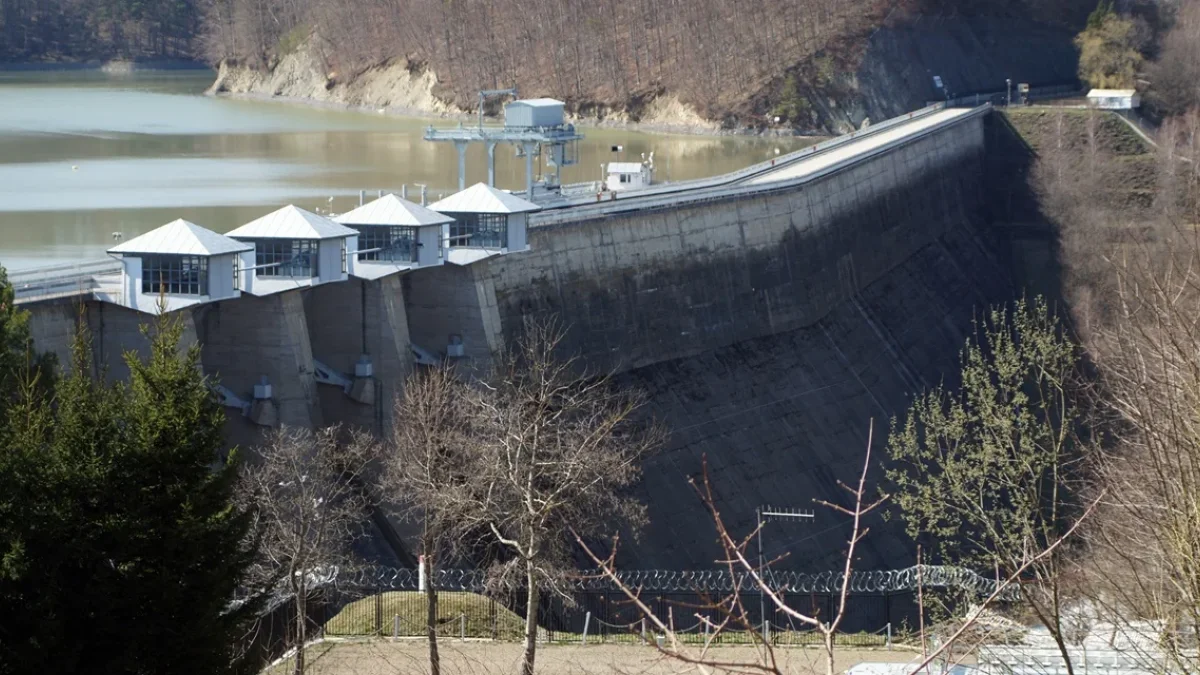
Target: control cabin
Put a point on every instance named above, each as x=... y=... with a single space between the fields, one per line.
x=178 y=265
x=628 y=176
x=1114 y=99
x=487 y=221
x=294 y=248
x=395 y=235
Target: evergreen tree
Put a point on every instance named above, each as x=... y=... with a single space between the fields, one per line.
x=127 y=547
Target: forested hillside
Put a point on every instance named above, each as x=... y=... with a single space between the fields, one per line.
x=75 y=30
x=715 y=55
x=813 y=63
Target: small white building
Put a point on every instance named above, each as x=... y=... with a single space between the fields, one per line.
x=487 y=221
x=294 y=248
x=178 y=265
x=394 y=235
x=533 y=113
x=628 y=176
x=1114 y=99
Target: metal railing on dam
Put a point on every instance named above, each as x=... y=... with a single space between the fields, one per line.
x=825 y=158
x=782 y=173
x=69 y=280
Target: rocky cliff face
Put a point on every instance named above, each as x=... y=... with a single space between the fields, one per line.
x=303 y=76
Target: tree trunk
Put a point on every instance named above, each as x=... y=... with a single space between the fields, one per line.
x=531 y=616
x=301 y=628
x=431 y=601
x=829 y=654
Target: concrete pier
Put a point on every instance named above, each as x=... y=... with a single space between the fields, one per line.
x=250 y=338
x=347 y=322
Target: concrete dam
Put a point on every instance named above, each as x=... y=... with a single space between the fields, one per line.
x=770 y=315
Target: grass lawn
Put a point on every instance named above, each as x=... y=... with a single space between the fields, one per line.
x=475 y=616
x=480 y=616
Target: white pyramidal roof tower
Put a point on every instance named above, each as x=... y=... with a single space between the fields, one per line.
x=294 y=248
x=483 y=198
x=291 y=222
x=178 y=265
x=487 y=222
x=392 y=210
x=396 y=235
x=181 y=237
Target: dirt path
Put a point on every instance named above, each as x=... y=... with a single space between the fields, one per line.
x=380 y=657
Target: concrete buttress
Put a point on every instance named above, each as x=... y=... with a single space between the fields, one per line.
x=246 y=339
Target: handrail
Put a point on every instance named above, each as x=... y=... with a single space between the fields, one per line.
x=641 y=201
x=752 y=170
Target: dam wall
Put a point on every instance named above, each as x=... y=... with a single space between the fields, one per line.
x=769 y=328
x=653 y=286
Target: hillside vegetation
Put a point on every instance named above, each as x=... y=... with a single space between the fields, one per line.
x=721 y=58
x=79 y=30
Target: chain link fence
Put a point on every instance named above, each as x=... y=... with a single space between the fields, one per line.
x=589 y=609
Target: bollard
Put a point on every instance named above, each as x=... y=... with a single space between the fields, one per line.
x=889 y=636
x=396 y=626
x=706 y=627
x=766 y=631
x=587 y=619
x=644 y=630
x=462 y=623
x=362 y=197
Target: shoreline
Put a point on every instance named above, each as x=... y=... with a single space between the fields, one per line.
x=114 y=66
x=585 y=122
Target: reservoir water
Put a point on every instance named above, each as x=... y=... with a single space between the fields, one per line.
x=85 y=154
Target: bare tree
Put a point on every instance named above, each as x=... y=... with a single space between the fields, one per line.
x=1144 y=569
x=557 y=450
x=306 y=492
x=425 y=469
x=963 y=638
x=736 y=560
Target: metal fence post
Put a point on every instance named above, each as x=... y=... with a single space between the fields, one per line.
x=889 y=636
x=378 y=612
x=587 y=620
x=396 y=626
x=492 y=611
x=462 y=626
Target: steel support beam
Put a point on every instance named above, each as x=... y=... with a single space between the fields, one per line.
x=491 y=150
x=529 y=147
x=461 y=146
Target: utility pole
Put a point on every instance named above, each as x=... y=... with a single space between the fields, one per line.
x=1008 y=96
x=764 y=515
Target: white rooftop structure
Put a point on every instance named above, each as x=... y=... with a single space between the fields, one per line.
x=294 y=248
x=483 y=198
x=1114 y=99
x=392 y=210
x=540 y=102
x=624 y=167
x=395 y=235
x=487 y=222
x=178 y=265
x=291 y=222
x=628 y=175
x=180 y=237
